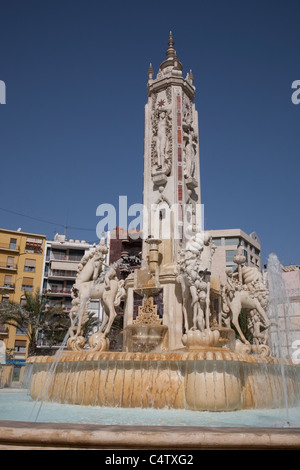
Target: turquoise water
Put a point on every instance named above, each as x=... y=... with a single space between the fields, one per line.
x=17 y=405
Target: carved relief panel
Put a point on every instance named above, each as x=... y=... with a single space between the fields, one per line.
x=190 y=143
x=161 y=139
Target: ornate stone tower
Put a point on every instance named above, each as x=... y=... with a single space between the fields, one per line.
x=171 y=158
x=171 y=212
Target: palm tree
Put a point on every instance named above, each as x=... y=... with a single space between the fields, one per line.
x=33 y=318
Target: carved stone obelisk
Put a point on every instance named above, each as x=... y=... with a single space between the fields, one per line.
x=171 y=157
x=171 y=198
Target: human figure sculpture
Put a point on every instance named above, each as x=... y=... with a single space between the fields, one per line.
x=193 y=271
x=190 y=140
x=161 y=139
x=237 y=296
x=258 y=329
x=199 y=292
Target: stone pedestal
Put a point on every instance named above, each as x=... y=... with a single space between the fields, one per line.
x=171 y=309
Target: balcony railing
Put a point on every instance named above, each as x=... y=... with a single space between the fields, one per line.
x=56 y=291
x=57 y=273
x=63 y=257
x=11 y=267
x=7 y=286
x=9 y=246
x=65 y=307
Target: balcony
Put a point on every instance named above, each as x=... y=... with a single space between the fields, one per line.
x=65 y=307
x=34 y=245
x=57 y=292
x=8 y=267
x=7 y=286
x=61 y=274
x=11 y=247
x=64 y=257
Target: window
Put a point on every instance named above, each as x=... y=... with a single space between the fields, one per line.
x=10 y=262
x=21 y=332
x=162 y=214
x=94 y=304
x=217 y=241
x=230 y=241
x=8 y=281
x=20 y=346
x=75 y=255
x=67 y=306
x=230 y=254
x=56 y=287
x=30 y=265
x=27 y=284
x=13 y=244
x=58 y=254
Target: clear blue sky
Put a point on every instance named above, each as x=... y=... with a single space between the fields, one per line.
x=72 y=131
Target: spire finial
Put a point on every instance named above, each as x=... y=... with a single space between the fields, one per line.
x=171 y=53
x=150 y=72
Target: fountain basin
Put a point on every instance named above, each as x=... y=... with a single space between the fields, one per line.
x=214 y=380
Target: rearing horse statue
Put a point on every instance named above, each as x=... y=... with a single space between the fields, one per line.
x=251 y=295
x=92 y=282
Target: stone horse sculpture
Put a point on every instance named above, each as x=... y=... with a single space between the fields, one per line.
x=93 y=282
x=251 y=294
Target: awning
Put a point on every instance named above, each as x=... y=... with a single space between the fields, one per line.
x=63 y=266
x=34 y=241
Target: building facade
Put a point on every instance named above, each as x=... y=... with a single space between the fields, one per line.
x=21 y=268
x=226 y=242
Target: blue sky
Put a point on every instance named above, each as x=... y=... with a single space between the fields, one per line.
x=72 y=129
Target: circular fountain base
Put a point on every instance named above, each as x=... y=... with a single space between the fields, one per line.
x=213 y=379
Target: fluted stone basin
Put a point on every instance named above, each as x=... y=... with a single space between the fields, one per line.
x=214 y=380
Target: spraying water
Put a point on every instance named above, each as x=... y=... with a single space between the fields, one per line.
x=47 y=382
x=278 y=303
x=51 y=372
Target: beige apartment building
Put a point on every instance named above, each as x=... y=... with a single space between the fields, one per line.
x=226 y=242
x=21 y=267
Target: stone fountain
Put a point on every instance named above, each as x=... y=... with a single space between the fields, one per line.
x=177 y=352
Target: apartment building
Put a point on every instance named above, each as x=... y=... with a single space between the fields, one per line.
x=21 y=267
x=226 y=242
